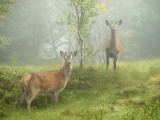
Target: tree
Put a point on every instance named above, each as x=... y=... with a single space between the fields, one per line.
x=37 y=37
x=6 y=7
x=81 y=20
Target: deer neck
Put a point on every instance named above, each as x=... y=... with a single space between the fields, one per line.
x=67 y=71
x=113 y=38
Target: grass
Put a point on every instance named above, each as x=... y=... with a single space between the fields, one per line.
x=91 y=94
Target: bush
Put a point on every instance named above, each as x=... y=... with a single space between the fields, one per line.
x=9 y=85
x=150 y=110
x=82 y=80
x=42 y=100
x=127 y=92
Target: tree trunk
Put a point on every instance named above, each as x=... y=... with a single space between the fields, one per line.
x=80 y=22
x=53 y=44
x=82 y=53
x=81 y=44
x=54 y=49
x=69 y=43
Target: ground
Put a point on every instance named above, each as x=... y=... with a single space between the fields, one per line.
x=92 y=93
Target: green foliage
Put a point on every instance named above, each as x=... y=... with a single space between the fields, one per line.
x=27 y=40
x=60 y=22
x=42 y=101
x=81 y=22
x=146 y=111
x=91 y=93
x=84 y=113
x=4 y=42
x=15 y=61
x=9 y=84
x=83 y=80
x=86 y=12
x=6 y=7
x=127 y=92
x=90 y=52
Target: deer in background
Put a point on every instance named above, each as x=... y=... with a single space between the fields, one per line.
x=42 y=82
x=113 y=46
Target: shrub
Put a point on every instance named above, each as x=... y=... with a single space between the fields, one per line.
x=127 y=92
x=82 y=80
x=150 y=110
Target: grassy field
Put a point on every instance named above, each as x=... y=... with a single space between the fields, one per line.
x=131 y=93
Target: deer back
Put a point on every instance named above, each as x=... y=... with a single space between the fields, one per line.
x=45 y=80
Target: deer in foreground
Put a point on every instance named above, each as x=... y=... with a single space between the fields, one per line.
x=42 y=82
x=113 y=46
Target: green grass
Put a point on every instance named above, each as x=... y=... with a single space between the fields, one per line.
x=132 y=92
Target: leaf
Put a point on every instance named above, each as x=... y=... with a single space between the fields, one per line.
x=73 y=30
x=4 y=42
x=104 y=10
x=102 y=5
x=3 y=17
x=13 y=2
x=97 y=7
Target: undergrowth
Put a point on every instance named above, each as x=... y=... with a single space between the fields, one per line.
x=92 y=93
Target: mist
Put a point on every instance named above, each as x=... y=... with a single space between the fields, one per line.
x=80 y=59
x=35 y=37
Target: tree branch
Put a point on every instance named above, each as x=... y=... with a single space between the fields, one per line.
x=79 y=24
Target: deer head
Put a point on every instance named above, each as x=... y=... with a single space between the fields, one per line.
x=68 y=58
x=114 y=26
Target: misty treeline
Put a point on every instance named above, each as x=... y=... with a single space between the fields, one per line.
x=38 y=29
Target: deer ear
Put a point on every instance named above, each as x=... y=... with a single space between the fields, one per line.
x=65 y=54
x=107 y=23
x=120 y=22
x=70 y=54
x=74 y=54
x=62 y=54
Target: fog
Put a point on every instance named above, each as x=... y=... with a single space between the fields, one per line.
x=36 y=32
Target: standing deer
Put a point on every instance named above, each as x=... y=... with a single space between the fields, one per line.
x=113 y=46
x=42 y=82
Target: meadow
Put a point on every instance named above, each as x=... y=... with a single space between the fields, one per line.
x=92 y=93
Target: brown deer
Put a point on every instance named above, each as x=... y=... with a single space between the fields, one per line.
x=113 y=46
x=42 y=82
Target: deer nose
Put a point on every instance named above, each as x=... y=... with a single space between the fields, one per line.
x=114 y=29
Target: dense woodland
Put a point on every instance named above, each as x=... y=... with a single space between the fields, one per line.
x=32 y=34
x=35 y=31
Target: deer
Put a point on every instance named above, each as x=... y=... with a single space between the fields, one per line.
x=112 y=46
x=52 y=82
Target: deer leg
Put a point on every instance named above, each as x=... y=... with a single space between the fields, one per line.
x=55 y=96
x=21 y=99
x=107 y=58
x=115 y=60
x=32 y=95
